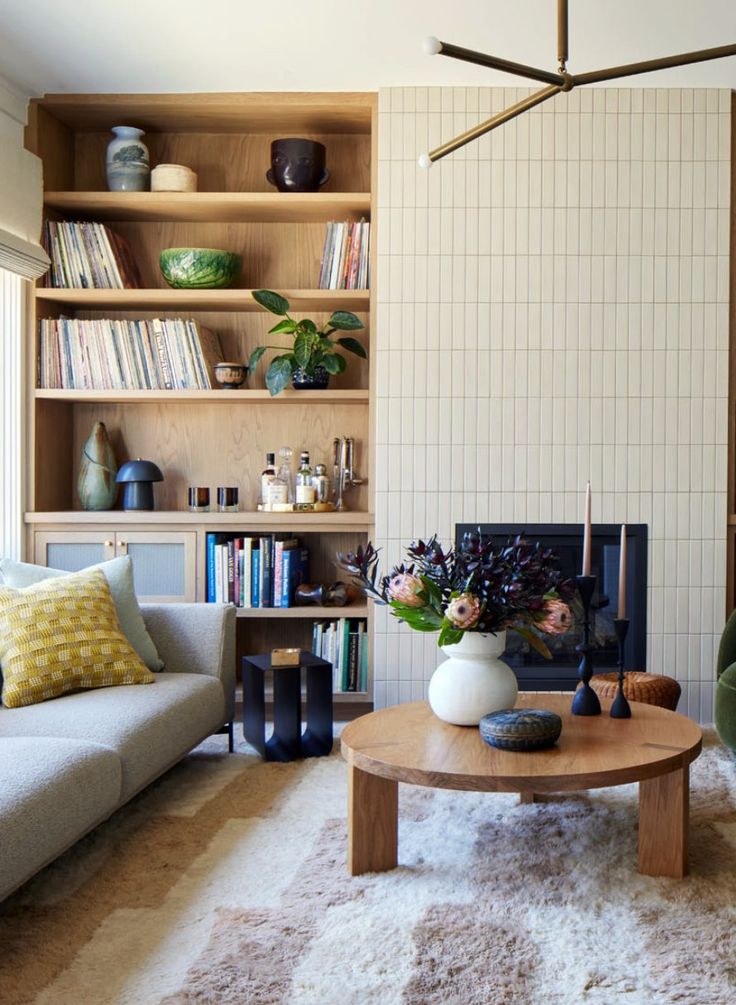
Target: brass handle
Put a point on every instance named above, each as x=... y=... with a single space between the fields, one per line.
x=122 y=544
x=108 y=544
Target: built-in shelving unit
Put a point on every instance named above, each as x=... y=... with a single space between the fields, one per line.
x=213 y=437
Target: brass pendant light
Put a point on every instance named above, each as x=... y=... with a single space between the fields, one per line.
x=555 y=81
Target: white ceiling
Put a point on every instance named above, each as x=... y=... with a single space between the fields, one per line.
x=300 y=45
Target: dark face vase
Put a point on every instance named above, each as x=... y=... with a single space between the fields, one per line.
x=297 y=165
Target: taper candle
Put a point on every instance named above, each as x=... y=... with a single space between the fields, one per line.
x=586 y=534
x=622 y=575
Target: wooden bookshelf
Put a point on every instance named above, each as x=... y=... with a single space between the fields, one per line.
x=212 y=437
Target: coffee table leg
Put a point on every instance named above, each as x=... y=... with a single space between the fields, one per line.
x=373 y=819
x=663 y=824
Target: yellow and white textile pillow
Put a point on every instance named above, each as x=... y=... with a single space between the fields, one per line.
x=63 y=635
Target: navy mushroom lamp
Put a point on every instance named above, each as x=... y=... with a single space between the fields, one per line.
x=137 y=478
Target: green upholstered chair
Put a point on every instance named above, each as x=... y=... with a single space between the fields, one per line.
x=726 y=689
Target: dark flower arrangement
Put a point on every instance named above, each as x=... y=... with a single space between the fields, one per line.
x=477 y=587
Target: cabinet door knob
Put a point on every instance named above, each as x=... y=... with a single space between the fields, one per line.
x=121 y=544
x=108 y=544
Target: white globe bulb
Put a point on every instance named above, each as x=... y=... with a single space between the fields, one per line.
x=432 y=45
x=425 y=162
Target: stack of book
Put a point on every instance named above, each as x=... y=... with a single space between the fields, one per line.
x=128 y=355
x=90 y=256
x=344 y=644
x=255 y=571
x=345 y=257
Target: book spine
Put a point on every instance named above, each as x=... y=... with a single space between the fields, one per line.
x=278 y=572
x=218 y=573
x=353 y=660
x=286 y=574
x=344 y=647
x=163 y=357
x=256 y=580
x=211 y=568
x=231 y=571
x=236 y=571
x=248 y=572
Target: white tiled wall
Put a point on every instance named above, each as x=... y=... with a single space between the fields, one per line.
x=553 y=308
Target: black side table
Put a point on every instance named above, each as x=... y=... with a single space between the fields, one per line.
x=287 y=742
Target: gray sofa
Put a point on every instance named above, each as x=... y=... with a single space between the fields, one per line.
x=68 y=763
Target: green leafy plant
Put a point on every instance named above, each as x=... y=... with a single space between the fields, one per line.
x=312 y=347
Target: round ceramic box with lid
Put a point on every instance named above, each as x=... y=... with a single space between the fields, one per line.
x=173 y=178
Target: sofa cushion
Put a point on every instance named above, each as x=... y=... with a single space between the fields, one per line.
x=52 y=790
x=61 y=635
x=150 y=728
x=725 y=706
x=119 y=575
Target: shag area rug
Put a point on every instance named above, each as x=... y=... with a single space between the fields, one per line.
x=225 y=883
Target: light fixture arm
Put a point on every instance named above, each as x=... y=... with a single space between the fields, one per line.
x=560 y=81
x=663 y=63
x=496 y=63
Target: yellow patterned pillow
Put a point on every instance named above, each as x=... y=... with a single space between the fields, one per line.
x=63 y=635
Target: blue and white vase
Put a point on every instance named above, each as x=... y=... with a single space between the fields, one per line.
x=127 y=163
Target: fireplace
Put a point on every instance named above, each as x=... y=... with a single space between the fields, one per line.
x=560 y=673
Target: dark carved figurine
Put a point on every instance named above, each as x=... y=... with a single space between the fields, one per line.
x=297 y=165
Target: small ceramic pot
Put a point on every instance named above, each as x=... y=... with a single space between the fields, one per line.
x=127 y=161
x=297 y=165
x=231 y=375
x=317 y=381
x=173 y=178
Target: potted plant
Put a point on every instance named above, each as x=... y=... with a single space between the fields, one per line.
x=471 y=595
x=314 y=355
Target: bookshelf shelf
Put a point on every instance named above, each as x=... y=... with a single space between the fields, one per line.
x=216 y=396
x=212 y=207
x=337 y=523
x=197 y=300
x=306 y=613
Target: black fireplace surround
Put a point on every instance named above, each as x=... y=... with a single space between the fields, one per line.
x=535 y=673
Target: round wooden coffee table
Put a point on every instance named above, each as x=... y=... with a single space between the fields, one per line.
x=408 y=743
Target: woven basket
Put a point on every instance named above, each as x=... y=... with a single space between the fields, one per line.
x=650 y=688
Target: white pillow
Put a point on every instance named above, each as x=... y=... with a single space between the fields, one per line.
x=119 y=575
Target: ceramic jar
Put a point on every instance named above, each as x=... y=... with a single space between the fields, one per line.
x=127 y=161
x=473 y=681
x=173 y=178
x=96 y=485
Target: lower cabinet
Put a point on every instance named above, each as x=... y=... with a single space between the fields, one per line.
x=164 y=563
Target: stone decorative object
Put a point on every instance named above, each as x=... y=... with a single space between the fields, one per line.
x=231 y=375
x=138 y=477
x=297 y=165
x=473 y=681
x=317 y=595
x=521 y=729
x=173 y=178
x=96 y=485
x=127 y=162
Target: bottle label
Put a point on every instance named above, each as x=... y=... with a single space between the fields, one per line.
x=278 y=492
x=305 y=493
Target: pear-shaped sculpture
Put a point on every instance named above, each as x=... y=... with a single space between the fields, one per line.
x=96 y=485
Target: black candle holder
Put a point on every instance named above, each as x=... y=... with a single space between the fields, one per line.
x=621 y=708
x=585 y=701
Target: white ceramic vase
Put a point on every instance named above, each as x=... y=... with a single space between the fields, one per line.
x=473 y=681
x=126 y=161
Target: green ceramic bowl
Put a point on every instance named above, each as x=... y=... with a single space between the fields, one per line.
x=199 y=268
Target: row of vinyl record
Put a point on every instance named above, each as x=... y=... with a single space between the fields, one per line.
x=88 y=256
x=345 y=256
x=344 y=644
x=131 y=355
x=255 y=571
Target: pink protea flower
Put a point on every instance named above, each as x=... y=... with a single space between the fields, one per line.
x=406 y=588
x=557 y=618
x=463 y=611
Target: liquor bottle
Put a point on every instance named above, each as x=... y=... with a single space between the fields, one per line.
x=280 y=490
x=305 y=491
x=267 y=476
